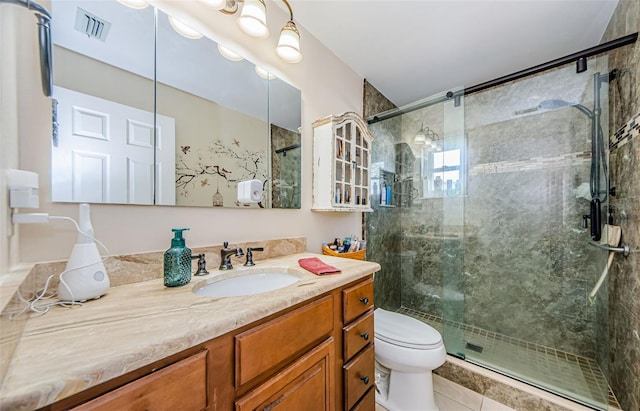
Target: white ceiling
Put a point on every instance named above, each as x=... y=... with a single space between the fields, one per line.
x=412 y=49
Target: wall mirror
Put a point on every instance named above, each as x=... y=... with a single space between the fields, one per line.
x=178 y=126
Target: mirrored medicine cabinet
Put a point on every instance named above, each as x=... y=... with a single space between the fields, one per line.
x=148 y=116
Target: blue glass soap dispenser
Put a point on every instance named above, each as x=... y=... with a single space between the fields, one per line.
x=177 y=261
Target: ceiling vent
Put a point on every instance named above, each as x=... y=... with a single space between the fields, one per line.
x=91 y=25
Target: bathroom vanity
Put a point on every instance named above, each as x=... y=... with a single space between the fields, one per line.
x=306 y=346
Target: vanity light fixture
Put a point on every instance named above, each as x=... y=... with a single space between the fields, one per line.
x=264 y=73
x=183 y=29
x=135 y=4
x=289 y=43
x=253 y=18
x=229 y=54
x=215 y=4
x=253 y=21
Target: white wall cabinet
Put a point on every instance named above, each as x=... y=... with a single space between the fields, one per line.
x=341 y=163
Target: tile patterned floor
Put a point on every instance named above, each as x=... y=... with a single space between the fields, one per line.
x=453 y=397
x=572 y=376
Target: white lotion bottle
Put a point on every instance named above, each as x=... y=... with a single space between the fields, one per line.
x=85 y=276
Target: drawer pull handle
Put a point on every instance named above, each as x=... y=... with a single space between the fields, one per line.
x=365 y=379
x=365 y=336
x=364 y=300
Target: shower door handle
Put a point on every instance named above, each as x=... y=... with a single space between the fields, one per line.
x=595 y=220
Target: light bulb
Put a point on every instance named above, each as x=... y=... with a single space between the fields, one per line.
x=264 y=73
x=215 y=4
x=229 y=54
x=289 y=43
x=135 y=4
x=183 y=29
x=253 y=18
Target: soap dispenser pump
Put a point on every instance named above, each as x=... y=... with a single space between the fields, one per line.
x=85 y=276
x=177 y=261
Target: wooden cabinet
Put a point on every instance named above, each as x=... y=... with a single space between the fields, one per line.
x=317 y=355
x=341 y=164
x=358 y=335
x=281 y=340
x=180 y=386
x=307 y=384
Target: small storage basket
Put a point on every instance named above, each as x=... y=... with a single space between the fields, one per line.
x=356 y=255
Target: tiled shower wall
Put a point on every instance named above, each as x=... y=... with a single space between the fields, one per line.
x=624 y=281
x=513 y=245
x=383 y=232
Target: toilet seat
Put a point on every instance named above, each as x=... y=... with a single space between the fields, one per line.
x=404 y=331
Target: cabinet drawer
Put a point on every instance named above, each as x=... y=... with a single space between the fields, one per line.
x=368 y=402
x=357 y=335
x=357 y=300
x=307 y=384
x=359 y=375
x=279 y=341
x=180 y=386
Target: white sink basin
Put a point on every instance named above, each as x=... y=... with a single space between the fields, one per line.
x=248 y=283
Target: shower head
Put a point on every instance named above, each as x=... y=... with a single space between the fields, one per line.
x=555 y=104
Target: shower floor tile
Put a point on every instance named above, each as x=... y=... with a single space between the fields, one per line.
x=565 y=374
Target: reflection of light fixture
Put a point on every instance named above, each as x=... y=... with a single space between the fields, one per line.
x=253 y=21
x=253 y=18
x=427 y=138
x=183 y=29
x=135 y=4
x=421 y=136
x=264 y=73
x=215 y=4
x=228 y=54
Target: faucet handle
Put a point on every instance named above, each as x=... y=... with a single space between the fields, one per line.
x=225 y=244
x=250 y=251
x=202 y=264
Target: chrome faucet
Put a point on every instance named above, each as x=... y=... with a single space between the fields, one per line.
x=225 y=256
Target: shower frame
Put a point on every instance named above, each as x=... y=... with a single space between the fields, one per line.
x=456 y=96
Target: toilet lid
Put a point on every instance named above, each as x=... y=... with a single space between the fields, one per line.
x=405 y=331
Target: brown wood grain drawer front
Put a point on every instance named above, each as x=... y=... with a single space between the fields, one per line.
x=279 y=341
x=357 y=300
x=358 y=376
x=306 y=385
x=357 y=335
x=180 y=386
x=368 y=402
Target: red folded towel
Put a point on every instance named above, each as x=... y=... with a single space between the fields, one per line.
x=317 y=266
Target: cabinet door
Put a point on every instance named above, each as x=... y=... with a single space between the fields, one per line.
x=343 y=167
x=180 y=386
x=360 y=167
x=307 y=384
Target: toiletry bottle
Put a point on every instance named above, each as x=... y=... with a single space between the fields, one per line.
x=177 y=261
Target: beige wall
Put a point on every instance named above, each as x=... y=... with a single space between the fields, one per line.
x=10 y=26
x=328 y=87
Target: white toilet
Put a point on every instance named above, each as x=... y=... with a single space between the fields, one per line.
x=406 y=350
